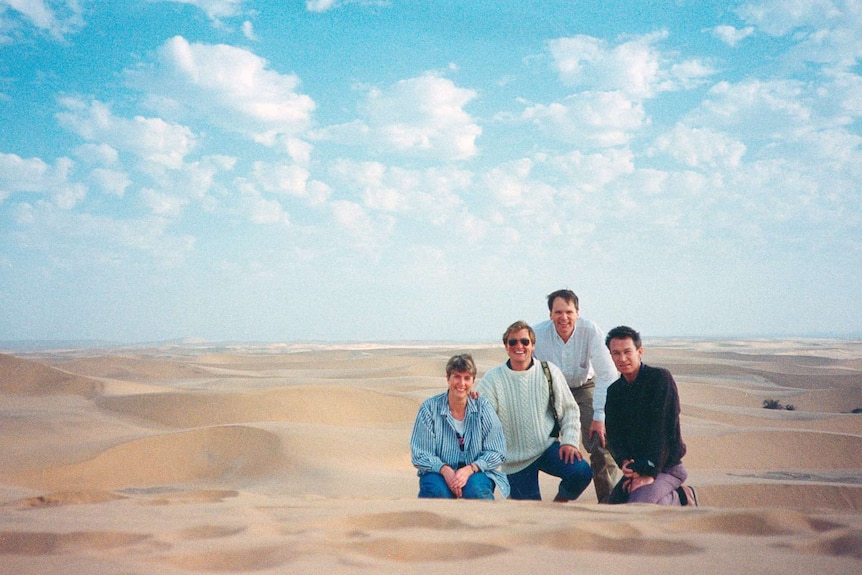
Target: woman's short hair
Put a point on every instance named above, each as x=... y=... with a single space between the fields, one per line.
x=461 y=363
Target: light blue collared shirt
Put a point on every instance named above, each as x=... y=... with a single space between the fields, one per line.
x=435 y=443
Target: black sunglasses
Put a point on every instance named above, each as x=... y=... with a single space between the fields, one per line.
x=524 y=341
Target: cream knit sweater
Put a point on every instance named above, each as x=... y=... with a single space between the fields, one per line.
x=521 y=401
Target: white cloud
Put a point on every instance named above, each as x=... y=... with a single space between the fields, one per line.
x=779 y=17
x=320 y=5
x=730 y=35
x=701 y=147
x=509 y=183
x=635 y=67
x=522 y=201
x=290 y=180
x=368 y=233
x=76 y=241
x=754 y=109
x=162 y=204
x=421 y=116
x=590 y=119
x=226 y=86
x=248 y=31
x=112 y=182
x=591 y=173
x=33 y=175
x=260 y=210
x=826 y=31
x=431 y=195
x=100 y=154
x=152 y=139
x=18 y=174
x=194 y=180
x=847 y=88
x=287 y=179
x=57 y=18
x=214 y=9
x=298 y=150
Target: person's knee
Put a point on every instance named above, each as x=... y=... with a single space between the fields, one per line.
x=644 y=495
x=577 y=480
x=478 y=487
x=524 y=485
x=431 y=487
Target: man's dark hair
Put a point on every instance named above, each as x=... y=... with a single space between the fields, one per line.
x=567 y=294
x=624 y=332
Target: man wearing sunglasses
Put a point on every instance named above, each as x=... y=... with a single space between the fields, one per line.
x=531 y=406
x=576 y=346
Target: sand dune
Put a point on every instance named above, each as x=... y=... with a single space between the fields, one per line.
x=22 y=377
x=324 y=404
x=211 y=453
x=294 y=459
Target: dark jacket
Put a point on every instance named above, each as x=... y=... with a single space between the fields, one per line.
x=642 y=421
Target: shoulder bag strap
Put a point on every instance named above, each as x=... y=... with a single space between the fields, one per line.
x=551 y=396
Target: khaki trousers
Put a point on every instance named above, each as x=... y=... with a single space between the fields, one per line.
x=606 y=474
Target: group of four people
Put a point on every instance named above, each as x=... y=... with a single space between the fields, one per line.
x=559 y=388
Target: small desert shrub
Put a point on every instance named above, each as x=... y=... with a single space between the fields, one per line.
x=775 y=404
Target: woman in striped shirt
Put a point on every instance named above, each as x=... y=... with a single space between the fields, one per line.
x=457 y=442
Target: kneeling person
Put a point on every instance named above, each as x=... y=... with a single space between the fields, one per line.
x=457 y=443
x=521 y=394
x=643 y=431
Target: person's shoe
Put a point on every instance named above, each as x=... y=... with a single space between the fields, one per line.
x=560 y=499
x=687 y=495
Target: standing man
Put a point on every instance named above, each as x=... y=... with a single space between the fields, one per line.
x=643 y=427
x=529 y=402
x=576 y=345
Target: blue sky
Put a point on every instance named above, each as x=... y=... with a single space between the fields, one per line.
x=346 y=170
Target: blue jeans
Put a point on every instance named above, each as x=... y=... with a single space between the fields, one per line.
x=575 y=476
x=479 y=486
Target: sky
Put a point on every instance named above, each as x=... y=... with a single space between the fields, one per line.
x=357 y=170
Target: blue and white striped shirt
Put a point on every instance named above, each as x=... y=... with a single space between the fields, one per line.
x=435 y=442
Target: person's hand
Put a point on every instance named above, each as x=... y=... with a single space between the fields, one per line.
x=474 y=395
x=627 y=472
x=639 y=481
x=461 y=477
x=598 y=428
x=570 y=454
x=449 y=475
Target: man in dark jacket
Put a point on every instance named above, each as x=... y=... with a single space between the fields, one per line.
x=643 y=431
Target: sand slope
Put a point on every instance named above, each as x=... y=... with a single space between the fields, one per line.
x=295 y=459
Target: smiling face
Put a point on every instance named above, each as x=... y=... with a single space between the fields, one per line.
x=627 y=357
x=564 y=314
x=460 y=384
x=519 y=346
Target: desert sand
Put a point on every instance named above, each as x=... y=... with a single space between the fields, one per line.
x=286 y=458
